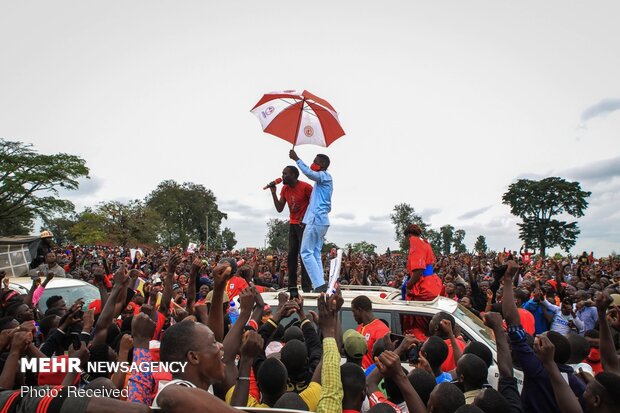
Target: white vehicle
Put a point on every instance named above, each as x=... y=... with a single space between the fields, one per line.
x=67 y=288
x=387 y=305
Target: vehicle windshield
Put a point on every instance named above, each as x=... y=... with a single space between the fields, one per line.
x=70 y=294
x=476 y=324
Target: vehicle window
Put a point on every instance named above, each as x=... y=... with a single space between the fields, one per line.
x=415 y=324
x=14 y=260
x=475 y=324
x=348 y=322
x=70 y=294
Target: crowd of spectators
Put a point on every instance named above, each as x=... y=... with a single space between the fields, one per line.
x=555 y=320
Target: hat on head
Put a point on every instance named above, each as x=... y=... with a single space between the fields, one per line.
x=47 y=234
x=210 y=298
x=616 y=302
x=354 y=344
x=273 y=349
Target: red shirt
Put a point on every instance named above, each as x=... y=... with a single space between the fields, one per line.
x=527 y=321
x=373 y=331
x=234 y=286
x=526 y=257
x=419 y=255
x=448 y=364
x=297 y=198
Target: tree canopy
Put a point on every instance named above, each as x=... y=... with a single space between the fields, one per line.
x=277 y=234
x=537 y=203
x=402 y=216
x=30 y=184
x=184 y=210
x=481 y=244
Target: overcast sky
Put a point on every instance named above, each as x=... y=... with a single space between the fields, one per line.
x=444 y=103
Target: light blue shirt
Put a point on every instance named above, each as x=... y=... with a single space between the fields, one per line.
x=321 y=199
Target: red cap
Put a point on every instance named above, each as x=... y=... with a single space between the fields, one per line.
x=96 y=304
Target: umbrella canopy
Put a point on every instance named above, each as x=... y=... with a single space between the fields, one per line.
x=300 y=118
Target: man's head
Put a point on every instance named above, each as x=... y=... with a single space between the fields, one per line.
x=435 y=351
x=562 y=347
x=480 y=350
x=56 y=301
x=294 y=356
x=567 y=306
x=195 y=344
x=291 y=400
x=423 y=382
x=492 y=401
x=602 y=392
x=579 y=348
x=521 y=297
x=290 y=174
x=323 y=161
x=436 y=320
x=361 y=307
x=355 y=346
x=293 y=333
x=50 y=258
x=353 y=385
x=472 y=371
x=413 y=229
x=48 y=325
x=272 y=377
x=445 y=398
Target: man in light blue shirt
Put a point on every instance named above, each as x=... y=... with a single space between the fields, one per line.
x=316 y=219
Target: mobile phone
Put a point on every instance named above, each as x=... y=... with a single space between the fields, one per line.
x=294 y=293
x=75 y=340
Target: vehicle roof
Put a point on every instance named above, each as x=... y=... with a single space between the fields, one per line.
x=56 y=282
x=18 y=239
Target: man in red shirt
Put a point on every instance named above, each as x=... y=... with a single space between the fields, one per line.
x=370 y=327
x=296 y=194
x=423 y=284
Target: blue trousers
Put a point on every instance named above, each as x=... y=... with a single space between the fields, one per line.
x=310 y=252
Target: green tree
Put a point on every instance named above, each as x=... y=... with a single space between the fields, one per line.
x=89 y=228
x=131 y=223
x=362 y=247
x=29 y=184
x=447 y=238
x=481 y=244
x=457 y=242
x=228 y=239
x=402 y=216
x=538 y=202
x=277 y=234
x=184 y=209
x=434 y=238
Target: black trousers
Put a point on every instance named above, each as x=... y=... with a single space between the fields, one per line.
x=295 y=234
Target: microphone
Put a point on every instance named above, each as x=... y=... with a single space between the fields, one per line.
x=273 y=183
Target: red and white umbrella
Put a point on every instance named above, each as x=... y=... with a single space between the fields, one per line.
x=300 y=118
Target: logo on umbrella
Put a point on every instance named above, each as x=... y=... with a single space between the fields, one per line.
x=308 y=131
x=268 y=111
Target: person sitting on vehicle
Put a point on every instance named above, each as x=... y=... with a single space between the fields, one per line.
x=370 y=327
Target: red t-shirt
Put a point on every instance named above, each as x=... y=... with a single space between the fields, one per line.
x=418 y=254
x=448 y=364
x=297 y=198
x=234 y=286
x=526 y=257
x=527 y=321
x=373 y=331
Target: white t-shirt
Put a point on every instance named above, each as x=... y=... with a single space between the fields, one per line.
x=177 y=382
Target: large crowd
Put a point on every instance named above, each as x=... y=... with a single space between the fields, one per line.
x=557 y=321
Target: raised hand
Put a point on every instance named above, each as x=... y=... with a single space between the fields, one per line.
x=388 y=364
x=493 y=320
x=445 y=326
x=246 y=300
x=173 y=263
x=252 y=344
x=221 y=274
x=602 y=300
x=544 y=349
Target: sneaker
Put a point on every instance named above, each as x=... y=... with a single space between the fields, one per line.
x=320 y=289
